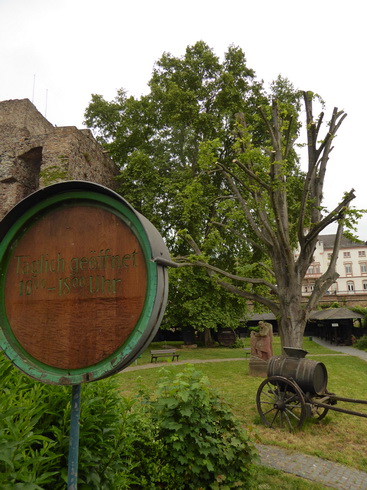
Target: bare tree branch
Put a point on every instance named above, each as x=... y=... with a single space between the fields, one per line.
x=239 y=235
x=335 y=215
x=317 y=161
x=330 y=276
x=274 y=307
x=252 y=175
x=212 y=269
x=266 y=234
x=235 y=277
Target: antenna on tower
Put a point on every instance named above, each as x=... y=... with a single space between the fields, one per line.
x=34 y=85
x=46 y=102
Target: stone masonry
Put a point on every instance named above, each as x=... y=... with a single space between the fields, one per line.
x=34 y=154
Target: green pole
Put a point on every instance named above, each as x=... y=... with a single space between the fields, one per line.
x=74 y=438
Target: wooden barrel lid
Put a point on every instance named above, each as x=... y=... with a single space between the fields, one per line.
x=81 y=292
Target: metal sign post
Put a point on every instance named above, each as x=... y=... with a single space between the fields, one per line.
x=74 y=438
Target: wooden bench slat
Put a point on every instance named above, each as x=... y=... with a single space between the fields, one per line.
x=163 y=351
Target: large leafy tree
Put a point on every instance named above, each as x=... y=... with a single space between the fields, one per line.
x=282 y=207
x=160 y=142
x=156 y=138
x=212 y=160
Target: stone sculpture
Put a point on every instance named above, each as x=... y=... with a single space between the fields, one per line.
x=261 y=341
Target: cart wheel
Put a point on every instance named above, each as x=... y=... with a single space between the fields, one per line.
x=280 y=403
x=319 y=412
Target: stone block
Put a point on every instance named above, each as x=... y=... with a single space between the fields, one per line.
x=258 y=367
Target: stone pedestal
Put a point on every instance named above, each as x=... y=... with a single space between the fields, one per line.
x=258 y=367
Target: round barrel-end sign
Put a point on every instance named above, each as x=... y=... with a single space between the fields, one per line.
x=83 y=283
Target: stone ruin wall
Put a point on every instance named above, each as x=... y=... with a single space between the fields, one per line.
x=34 y=154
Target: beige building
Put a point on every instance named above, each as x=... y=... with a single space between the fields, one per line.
x=34 y=154
x=351 y=266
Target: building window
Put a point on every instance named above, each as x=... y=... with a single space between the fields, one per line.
x=363 y=267
x=362 y=253
x=314 y=269
x=348 y=269
x=346 y=255
x=350 y=286
x=364 y=285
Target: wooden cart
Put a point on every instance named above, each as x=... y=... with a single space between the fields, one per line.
x=296 y=389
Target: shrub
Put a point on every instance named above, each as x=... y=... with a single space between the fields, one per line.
x=203 y=440
x=238 y=344
x=363 y=311
x=361 y=343
x=27 y=454
x=181 y=438
x=118 y=447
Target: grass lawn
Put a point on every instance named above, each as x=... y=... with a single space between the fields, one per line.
x=338 y=437
x=270 y=479
x=202 y=353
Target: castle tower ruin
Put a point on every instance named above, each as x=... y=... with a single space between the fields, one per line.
x=34 y=154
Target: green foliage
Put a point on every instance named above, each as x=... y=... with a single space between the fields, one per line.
x=326 y=306
x=53 y=173
x=361 y=343
x=165 y=143
x=28 y=455
x=202 y=303
x=238 y=344
x=363 y=311
x=124 y=444
x=118 y=448
x=351 y=219
x=209 y=151
x=117 y=443
x=200 y=112
x=203 y=440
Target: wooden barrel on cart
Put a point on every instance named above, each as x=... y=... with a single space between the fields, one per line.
x=311 y=376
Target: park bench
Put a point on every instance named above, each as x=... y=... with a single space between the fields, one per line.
x=156 y=354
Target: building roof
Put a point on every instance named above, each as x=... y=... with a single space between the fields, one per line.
x=261 y=317
x=328 y=241
x=334 y=314
x=328 y=314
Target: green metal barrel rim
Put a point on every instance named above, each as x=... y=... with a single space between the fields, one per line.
x=11 y=347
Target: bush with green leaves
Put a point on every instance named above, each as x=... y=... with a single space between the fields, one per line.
x=203 y=440
x=118 y=447
x=362 y=310
x=28 y=456
x=361 y=343
x=238 y=344
x=183 y=437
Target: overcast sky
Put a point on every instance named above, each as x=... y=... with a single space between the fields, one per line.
x=58 y=52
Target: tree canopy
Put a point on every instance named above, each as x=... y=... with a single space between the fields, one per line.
x=210 y=157
x=160 y=141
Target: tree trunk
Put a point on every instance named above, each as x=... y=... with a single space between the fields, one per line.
x=292 y=317
x=208 y=341
x=291 y=330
